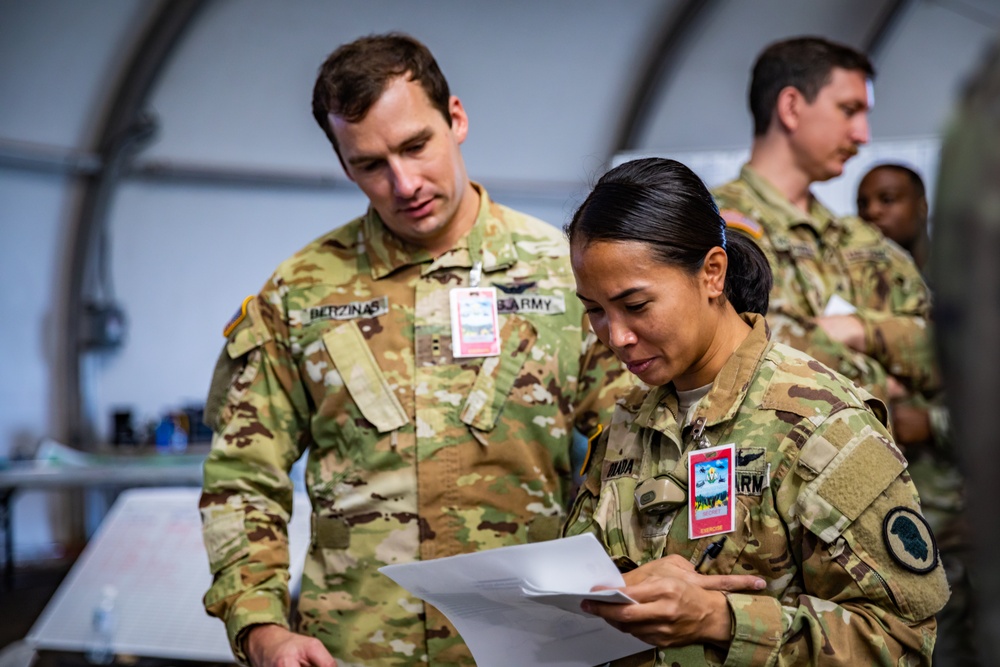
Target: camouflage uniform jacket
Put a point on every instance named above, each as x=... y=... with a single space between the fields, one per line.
x=816 y=476
x=413 y=454
x=817 y=255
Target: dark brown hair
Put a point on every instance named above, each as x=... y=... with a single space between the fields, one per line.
x=664 y=205
x=806 y=63
x=355 y=75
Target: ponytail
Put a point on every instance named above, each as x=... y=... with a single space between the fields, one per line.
x=748 y=278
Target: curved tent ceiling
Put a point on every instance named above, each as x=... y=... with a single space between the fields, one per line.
x=548 y=87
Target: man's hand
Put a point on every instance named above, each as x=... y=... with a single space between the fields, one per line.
x=274 y=646
x=895 y=389
x=910 y=425
x=676 y=605
x=845 y=329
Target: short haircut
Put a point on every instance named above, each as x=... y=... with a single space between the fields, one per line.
x=807 y=64
x=918 y=183
x=354 y=77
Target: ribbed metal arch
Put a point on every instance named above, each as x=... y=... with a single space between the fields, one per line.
x=651 y=74
x=123 y=129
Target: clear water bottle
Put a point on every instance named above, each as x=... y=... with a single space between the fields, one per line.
x=104 y=624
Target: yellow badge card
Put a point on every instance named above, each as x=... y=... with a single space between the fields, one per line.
x=475 y=326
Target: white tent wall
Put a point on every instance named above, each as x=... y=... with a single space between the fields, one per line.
x=238 y=94
x=545 y=86
x=58 y=59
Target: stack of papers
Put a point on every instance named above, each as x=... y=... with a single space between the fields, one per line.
x=520 y=605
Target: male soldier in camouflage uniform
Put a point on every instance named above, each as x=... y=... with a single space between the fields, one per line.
x=347 y=354
x=892 y=197
x=841 y=292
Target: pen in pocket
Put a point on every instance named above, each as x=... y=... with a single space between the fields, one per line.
x=712 y=552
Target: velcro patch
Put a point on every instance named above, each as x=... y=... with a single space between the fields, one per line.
x=736 y=220
x=619 y=468
x=909 y=540
x=330 y=533
x=344 y=311
x=752 y=471
x=542 y=304
x=869 y=460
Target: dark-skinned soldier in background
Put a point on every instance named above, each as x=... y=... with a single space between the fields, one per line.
x=893 y=198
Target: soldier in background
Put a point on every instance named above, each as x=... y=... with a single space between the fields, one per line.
x=841 y=293
x=431 y=359
x=893 y=198
x=966 y=278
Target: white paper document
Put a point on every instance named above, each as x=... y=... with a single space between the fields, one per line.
x=520 y=605
x=838 y=305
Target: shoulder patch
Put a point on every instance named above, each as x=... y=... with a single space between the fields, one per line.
x=237 y=317
x=736 y=220
x=909 y=540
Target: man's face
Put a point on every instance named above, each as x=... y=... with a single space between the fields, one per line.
x=828 y=131
x=888 y=199
x=406 y=159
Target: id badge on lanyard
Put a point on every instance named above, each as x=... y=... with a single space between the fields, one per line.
x=712 y=495
x=475 y=323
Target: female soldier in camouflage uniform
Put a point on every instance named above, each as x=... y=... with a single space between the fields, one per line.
x=824 y=512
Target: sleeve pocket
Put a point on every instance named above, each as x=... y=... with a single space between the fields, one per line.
x=225 y=540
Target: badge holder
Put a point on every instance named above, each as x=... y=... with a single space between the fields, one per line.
x=475 y=323
x=712 y=501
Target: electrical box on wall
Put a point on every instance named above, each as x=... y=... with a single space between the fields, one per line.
x=104 y=326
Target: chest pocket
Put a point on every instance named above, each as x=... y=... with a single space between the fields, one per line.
x=800 y=283
x=497 y=375
x=870 y=270
x=364 y=378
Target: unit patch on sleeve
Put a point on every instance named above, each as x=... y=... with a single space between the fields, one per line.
x=752 y=471
x=343 y=311
x=736 y=220
x=909 y=540
x=238 y=317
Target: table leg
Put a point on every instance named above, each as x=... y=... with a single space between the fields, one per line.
x=6 y=520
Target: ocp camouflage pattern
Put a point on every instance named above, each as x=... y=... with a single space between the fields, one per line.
x=812 y=531
x=412 y=452
x=816 y=255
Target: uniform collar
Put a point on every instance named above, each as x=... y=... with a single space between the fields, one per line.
x=489 y=239
x=819 y=217
x=728 y=389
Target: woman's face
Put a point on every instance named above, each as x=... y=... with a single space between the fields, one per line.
x=659 y=320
